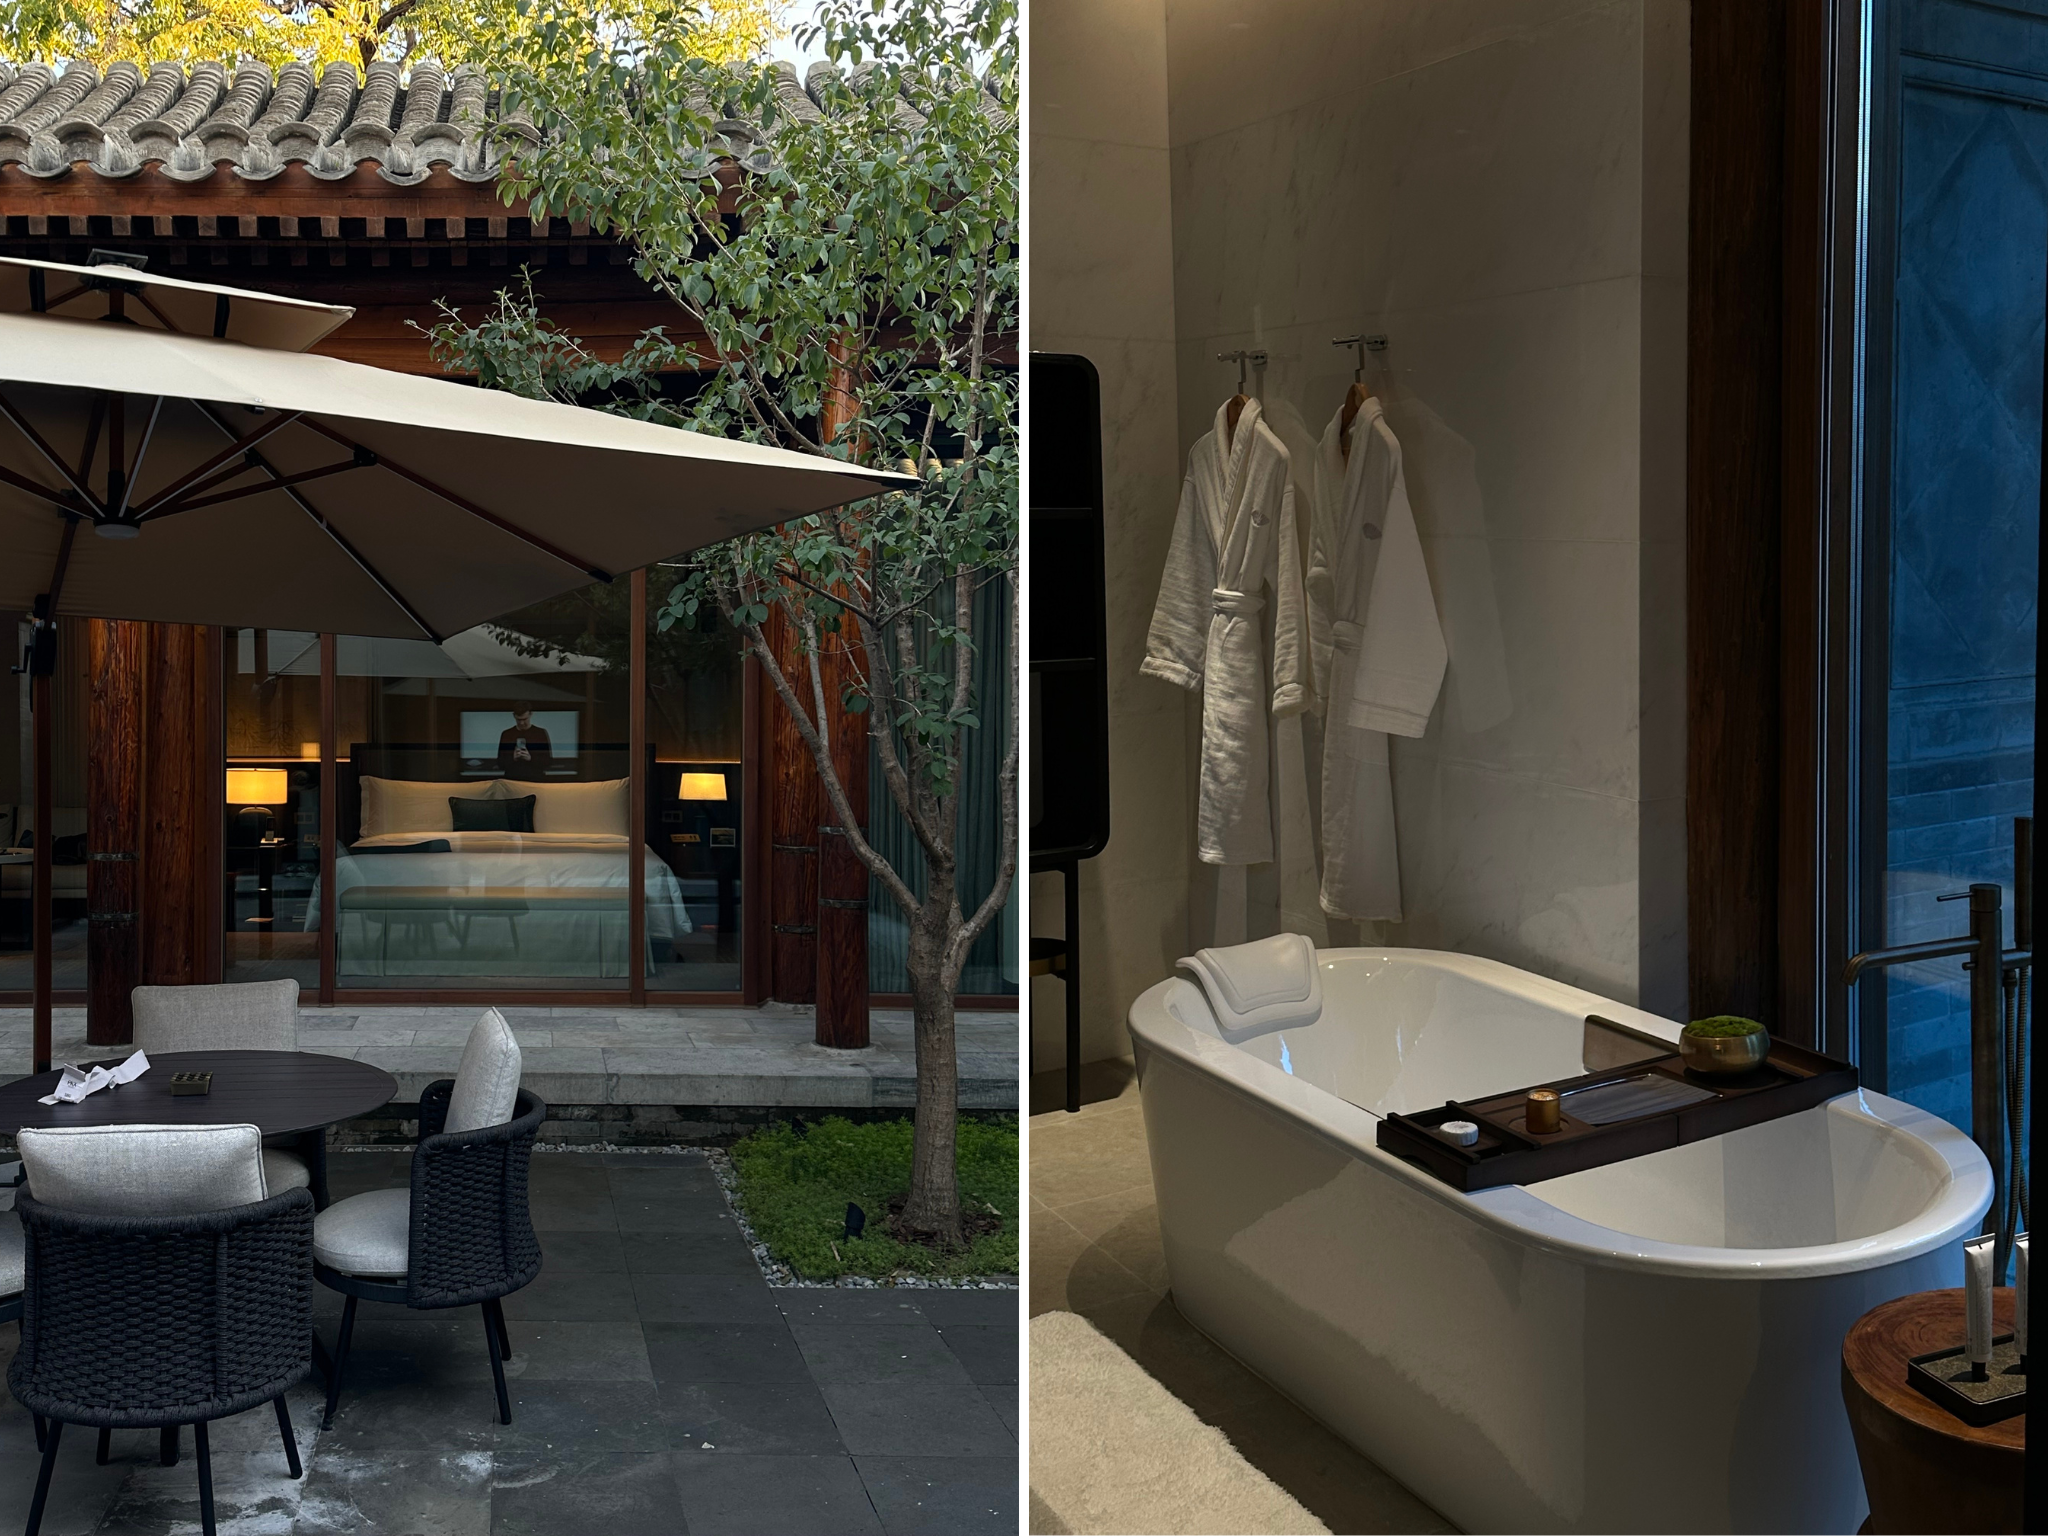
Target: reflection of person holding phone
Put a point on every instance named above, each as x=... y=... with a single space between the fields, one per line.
x=525 y=748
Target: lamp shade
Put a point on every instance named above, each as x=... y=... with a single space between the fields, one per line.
x=257 y=786
x=702 y=786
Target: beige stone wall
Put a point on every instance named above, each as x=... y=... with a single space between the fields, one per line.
x=1500 y=187
x=1101 y=261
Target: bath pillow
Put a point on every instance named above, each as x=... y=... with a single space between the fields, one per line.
x=411 y=805
x=144 y=1170
x=591 y=810
x=487 y=1081
x=1256 y=988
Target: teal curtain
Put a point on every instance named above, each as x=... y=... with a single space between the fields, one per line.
x=992 y=963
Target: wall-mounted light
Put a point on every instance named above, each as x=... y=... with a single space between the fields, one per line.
x=257 y=786
x=701 y=786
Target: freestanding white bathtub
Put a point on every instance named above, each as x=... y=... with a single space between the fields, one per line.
x=1650 y=1346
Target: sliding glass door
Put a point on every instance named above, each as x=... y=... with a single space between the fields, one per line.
x=1957 y=163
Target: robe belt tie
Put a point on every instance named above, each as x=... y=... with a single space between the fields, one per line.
x=1243 y=605
x=1345 y=635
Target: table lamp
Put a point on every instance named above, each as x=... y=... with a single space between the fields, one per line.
x=701 y=786
x=257 y=790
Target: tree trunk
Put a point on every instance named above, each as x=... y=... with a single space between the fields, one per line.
x=933 y=1210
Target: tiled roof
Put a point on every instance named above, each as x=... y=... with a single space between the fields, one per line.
x=192 y=124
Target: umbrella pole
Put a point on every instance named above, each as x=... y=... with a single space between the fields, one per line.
x=42 y=658
x=42 y=664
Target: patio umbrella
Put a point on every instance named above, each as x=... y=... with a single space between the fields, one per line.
x=169 y=451
x=231 y=483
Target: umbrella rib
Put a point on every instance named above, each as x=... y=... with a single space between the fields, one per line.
x=141 y=453
x=248 y=463
x=92 y=436
x=320 y=520
x=150 y=305
x=470 y=507
x=27 y=429
x=41 y=492
x=241 y=444
x=279 y=483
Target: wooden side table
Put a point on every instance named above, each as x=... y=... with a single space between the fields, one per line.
x=1923 y=1468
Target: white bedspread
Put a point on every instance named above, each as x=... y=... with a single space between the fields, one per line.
x=553 y=935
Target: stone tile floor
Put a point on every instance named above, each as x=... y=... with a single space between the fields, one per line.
x=647 y=1056
x=659 y=1385
x=1095 y=1250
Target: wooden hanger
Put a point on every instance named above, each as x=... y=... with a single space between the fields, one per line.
x=1354 y=397
x=1237 y=403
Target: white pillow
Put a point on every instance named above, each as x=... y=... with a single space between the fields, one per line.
x=487 y=1081
x=410 y=805
x=593 y=810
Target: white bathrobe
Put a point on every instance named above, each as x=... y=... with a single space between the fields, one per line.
x=1234 y=541
x=1378 y=655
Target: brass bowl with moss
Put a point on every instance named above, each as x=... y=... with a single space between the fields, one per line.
x=1724 y=1046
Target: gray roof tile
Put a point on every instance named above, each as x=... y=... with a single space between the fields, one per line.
x=192 y=124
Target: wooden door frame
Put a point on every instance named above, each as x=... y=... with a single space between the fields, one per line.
x=1771 y=478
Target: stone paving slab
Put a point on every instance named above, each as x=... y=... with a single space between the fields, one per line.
x=716 y=1058
x=659 y=1384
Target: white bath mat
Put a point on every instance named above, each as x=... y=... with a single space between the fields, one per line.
x=1113 y=1453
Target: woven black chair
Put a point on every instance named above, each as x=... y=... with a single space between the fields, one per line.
x=160 y=1321
x=461 y=1236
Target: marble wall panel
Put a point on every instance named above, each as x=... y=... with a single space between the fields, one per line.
x=1232 y=65
x=1101 y=285
x=1500 y=190
x=1502 y=169
x=1098 y=71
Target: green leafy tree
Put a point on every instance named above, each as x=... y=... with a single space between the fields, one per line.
x=448 y=32
x=843 y=280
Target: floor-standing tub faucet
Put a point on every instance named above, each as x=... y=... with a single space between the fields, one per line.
x=1992 y=970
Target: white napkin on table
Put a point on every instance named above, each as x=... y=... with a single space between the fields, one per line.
x=78 y=1082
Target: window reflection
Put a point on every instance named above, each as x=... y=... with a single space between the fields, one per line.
x=482 y=797
x=270 y=821
x=695 y=722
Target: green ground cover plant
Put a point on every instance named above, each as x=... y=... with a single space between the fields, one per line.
x=794 y=1183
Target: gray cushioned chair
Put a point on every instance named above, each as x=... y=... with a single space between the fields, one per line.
x=237 y=1016
x=164 y=1285
x=460 y=1234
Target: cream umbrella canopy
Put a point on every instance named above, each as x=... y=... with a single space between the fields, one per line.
x=169 y=451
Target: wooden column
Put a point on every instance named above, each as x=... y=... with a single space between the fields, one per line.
x=113 y=887
x=842 y=1018
x=842 y=920
x=792 y=817
x=173 y=874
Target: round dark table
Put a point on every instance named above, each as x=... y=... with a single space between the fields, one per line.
x=281 y=1093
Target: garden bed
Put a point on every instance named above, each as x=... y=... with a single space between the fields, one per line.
x=791 y=1184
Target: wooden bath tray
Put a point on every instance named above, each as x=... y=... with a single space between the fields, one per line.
x=1623 y=1110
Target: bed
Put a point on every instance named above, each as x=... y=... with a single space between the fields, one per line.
x=419 y=896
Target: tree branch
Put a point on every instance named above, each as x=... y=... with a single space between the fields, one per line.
x=821 y=754
x=1006 y=871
